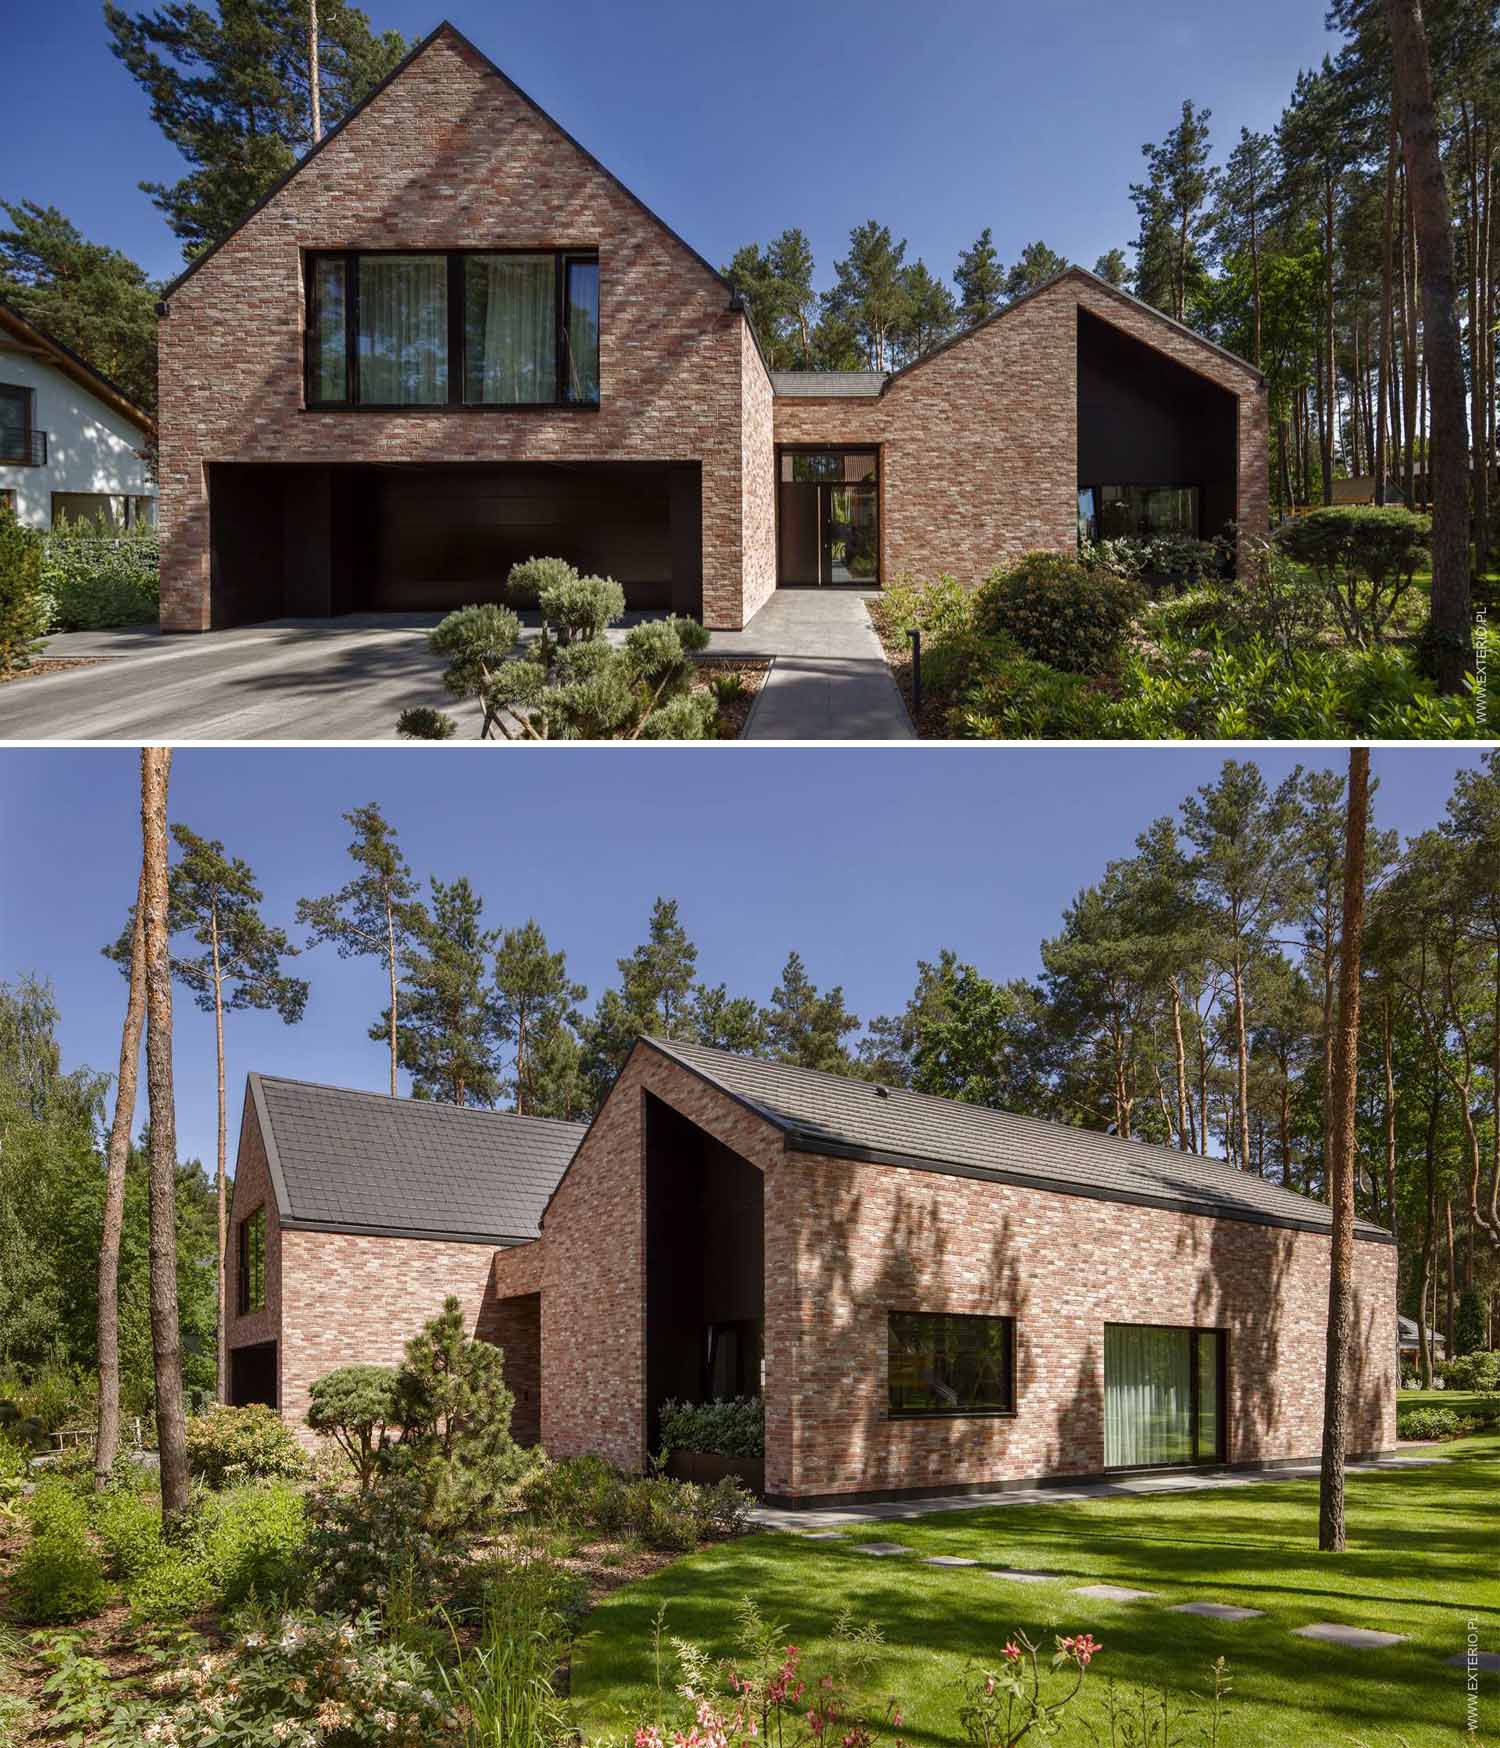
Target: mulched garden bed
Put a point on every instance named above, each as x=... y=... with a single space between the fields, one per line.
x=49 y=667
x=734 y=713
x=930 y=725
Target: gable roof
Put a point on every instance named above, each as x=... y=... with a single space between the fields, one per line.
x=360 y=1162
x=847 y=1118
x=450 y=30
x=47 y=346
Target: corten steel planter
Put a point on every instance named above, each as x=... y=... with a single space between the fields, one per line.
x=708 y=1467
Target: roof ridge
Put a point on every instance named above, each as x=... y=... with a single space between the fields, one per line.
x=407 y=1102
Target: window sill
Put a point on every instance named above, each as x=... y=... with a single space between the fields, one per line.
x=445 y=408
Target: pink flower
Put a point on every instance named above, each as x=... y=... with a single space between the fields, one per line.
x=1012 y=1651
x=1082 y=1648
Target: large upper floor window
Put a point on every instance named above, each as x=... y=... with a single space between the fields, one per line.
x=949 y=1364
x=470 y=329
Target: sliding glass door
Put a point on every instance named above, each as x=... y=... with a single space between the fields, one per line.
x=1162 y=1393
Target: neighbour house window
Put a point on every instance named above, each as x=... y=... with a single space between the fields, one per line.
x=103 y=512
x=945 y=1364
x=252 y=1270
x=21 y=444
x=474 y=329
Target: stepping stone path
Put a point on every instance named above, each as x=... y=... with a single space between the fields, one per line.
x=1219 y=1611
x=821 y=1535
x=1482 y=1660
x=1364 y=1638
x=1113 y=1593
x=948 y=1560
x=1017 y=1576
x=881 y=1550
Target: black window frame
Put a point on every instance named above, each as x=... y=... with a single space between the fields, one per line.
x=962 y=1413
x=33 y=453
x=457 y=362
x=1220 y=1454
x=1096 y=515
x=245 y=1301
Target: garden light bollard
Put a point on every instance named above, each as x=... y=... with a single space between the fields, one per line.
x=916 y=673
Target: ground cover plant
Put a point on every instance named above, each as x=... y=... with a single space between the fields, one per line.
x=1418 y=1563
x=1316 y=633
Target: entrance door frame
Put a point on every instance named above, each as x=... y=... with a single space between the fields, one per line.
x=875 y=449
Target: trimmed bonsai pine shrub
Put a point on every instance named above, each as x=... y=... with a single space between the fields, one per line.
x=23 y=605
x=1365 y=559
x=578 y=609
x=1060 y=610
x=230 y=1445
x=526 y=581
x=355 y=1406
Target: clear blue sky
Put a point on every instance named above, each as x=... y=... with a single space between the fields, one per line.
x=865 y=861
x=735 y=121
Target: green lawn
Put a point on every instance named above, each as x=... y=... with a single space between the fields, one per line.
x=1422 y=1561
x=1462 y=1402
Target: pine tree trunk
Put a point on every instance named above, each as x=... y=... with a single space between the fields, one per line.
x=166 y=1339
x=1449 y=628
x=390 y=960
x=1242 y=1063
x=313 y=77
x=221 y=1344
x=1330 y=410
x=1343 y=1092
x=1408 y=345
x=107 y=1442
x=1184 y=1121
x=1390 y=1113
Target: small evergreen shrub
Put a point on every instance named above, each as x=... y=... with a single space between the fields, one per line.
x=935 y=608
x=526 y=581
x=227 y=1446
x=173 y=1588
x=733 y=1427
x=578 y=609
x=1060 y=610
x=1365 y=558
x=355 y=1406
x=23 y=603
x=60 y=1576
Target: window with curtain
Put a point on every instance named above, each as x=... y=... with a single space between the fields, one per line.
x=1162 y=1390
x=403 y=330
x=15 y=423
x=948 y=1364
x=510 y=329
x=478 y=329
x=252 y=1271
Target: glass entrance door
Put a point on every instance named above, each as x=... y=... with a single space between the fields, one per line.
x=828 y=522
x=1162 y=1394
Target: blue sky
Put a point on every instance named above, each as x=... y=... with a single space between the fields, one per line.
x=865 y=861
x=733 y=122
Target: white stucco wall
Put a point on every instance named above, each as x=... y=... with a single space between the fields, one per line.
x=90 y=447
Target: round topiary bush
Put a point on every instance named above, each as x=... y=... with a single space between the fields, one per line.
x=1060 y=610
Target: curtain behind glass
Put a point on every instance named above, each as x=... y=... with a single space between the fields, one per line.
x=1147 y=1395
x=510 y=319
x=403 y=330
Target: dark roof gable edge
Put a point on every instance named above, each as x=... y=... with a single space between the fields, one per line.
x=257 y=1097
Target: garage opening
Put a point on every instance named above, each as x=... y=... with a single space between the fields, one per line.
x=293 y=541
x=252 y=1374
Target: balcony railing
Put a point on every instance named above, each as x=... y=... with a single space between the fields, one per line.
x=23 y=448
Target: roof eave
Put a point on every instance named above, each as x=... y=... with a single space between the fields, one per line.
x=78 y=369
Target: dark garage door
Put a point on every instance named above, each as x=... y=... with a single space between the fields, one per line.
x=308 y=541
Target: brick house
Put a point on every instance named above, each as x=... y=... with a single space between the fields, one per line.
x=452 y=339
x=930 y=1296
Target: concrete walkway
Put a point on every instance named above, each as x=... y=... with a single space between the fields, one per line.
x=829 y=1519
x=829 y=679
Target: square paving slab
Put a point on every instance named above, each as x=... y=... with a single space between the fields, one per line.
x=881 y=1550
x=1113 y=1593
x=820 y=1535
x=948 y=1560
x=1364 y=1638
x=1017 y=1576
x=1219 y=1611
x=1482 y=1660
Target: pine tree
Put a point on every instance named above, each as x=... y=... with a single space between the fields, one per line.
x=445 y=1035
x=374 y=914
x=1172 y=206
x=980 y=280
x=654 y=997
x=928 y=316
x=535 y=1008
x=728 y=1022
x=1037 y=265
x=868 y=293
x=805 y=1026
x=1244 y=193
x=230 y=89
x=1114 y=268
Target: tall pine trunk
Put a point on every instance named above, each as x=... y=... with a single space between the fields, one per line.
x=1448 y=465
x=166 y=1336
x=314 y=80
x=1341 y=1261
x=221 y=1362
x=1387 y=310
x=107 y=1441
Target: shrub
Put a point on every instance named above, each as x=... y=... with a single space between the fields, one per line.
x=1014 y=698
x=1427 y=1423
x=527 y=580
x=309 y=1678
x=174 y=1587
x=253 y=1542
x=585 y=1493
x=15 y=1464
x=355 y=1406
x=23 y=606
x=56 y=1507
x=129 y=1525
x=94 y=581
x=578 y=609
x=364 y=1548
x=936 y=609
x=1364 y=557
x=60 y=1576
x=1269 y=596
x=1473 y=1371
x=422 y=722
x=229 y=1445
x=1470 y=1322
x=727 y=1428
x=1059 y=610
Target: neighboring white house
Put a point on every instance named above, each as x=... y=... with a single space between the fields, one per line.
x=70 y=442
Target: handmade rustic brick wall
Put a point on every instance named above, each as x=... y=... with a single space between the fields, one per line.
x=979 y=445
x=253 y=1189
x=448 y=156
x=863 y=1240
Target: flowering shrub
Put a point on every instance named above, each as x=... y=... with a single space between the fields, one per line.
x=1472 y=1371
x=1016 y=1698
x=935 y=608
x=230 y=1445
x=311 y=1681
x=361 y=1546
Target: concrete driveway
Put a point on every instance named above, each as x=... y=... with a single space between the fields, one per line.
x=350 y=678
